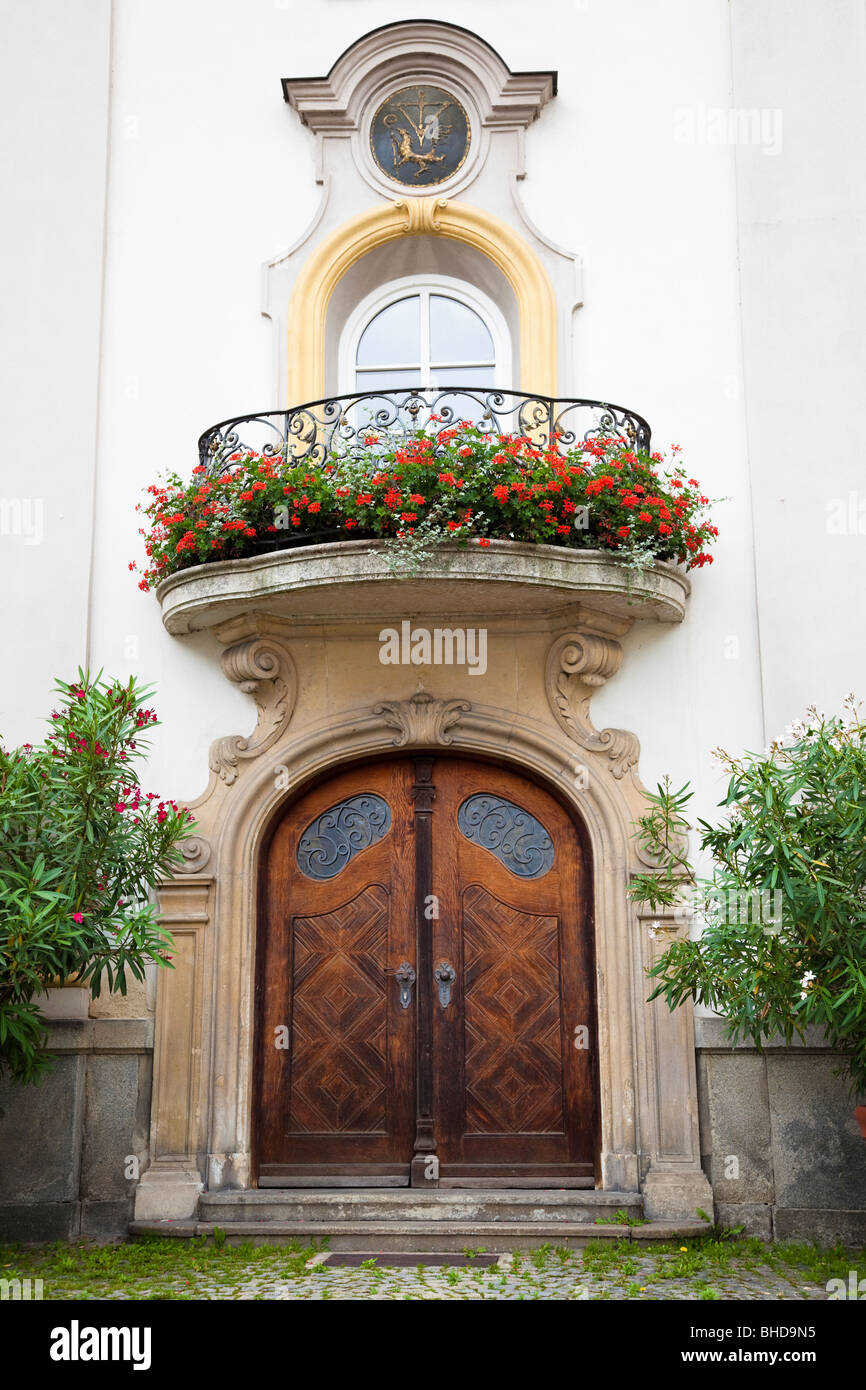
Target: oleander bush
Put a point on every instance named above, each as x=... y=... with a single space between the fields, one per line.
x=81 y=845
x=783 y=916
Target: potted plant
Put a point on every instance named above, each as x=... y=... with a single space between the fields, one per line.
x=784 y=915
x=458 y=483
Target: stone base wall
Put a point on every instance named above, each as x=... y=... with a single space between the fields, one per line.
x=779 y=1141
x=67 y=1145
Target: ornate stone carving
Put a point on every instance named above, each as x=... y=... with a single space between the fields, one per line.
x=422 y=719
x=420 y=214
x=577 y=663
x=263 y=668
x=196 y=853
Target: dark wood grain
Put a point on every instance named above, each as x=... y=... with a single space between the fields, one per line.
x=493 y=1084
x=424 y=794
x=328 y=950
x=511 y=1087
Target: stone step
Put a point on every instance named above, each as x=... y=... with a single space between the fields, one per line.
x=372 y=1237
x=332 y=1206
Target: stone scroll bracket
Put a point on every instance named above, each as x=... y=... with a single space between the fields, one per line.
x=261 y=665
x=577 y=664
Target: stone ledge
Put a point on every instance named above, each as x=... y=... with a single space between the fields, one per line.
x=100 y=1035
x=711 y=1036
x=350 y=580
x=421 y=1235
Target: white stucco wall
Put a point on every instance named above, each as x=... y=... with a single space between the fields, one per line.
x=802 y=226
x=715 y=293
x=53 y=149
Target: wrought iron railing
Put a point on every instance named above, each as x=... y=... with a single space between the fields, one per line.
x=309 y=433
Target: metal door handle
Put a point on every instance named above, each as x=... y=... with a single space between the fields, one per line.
x=446 y=975
x=405 y=977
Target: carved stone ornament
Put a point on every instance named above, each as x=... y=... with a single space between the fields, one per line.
x=422 y=719
x=421 y=215
x=196 y=854
x=263 y=668
x=577 y=663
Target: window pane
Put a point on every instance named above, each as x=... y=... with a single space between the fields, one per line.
x=387 y=381
x=462 y=376
x=462 y=406
x=457 y=333
x=394 y=335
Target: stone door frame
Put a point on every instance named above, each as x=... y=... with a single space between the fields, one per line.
x=203 y=1064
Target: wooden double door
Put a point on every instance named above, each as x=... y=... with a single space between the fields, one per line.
x=425 y=989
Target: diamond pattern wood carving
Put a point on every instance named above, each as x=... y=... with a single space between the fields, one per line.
x=512 y=1018
x=366 y=1068
x=339 y=1019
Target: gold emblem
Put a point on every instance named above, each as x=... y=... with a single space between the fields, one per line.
x=420 y=136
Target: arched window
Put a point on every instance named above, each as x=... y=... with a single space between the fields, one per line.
x=428 y=331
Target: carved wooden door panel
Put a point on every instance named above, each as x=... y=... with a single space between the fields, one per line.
x=336 y=1046
x=478 y=880
x=514 y=1046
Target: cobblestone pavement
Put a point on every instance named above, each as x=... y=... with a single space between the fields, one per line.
x=699 y=1270
x=504 y=1282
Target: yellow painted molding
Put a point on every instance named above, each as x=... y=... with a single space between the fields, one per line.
x=421 y=217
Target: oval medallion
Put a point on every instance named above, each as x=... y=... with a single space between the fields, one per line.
x=332 y=840
x=518 y=840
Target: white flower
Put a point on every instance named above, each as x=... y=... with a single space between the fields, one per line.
x=654 y=929
x=795 y=730
x=806 y=981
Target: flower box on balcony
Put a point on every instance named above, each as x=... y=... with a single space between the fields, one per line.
x=380 y=504
x=352 y=580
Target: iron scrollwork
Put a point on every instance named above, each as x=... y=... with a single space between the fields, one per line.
x=317 y=430
x=517 y=839
x=332 y=840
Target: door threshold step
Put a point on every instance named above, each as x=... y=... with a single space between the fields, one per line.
x=393 y=1198
x=408 y=1236
x=517 y=1184
x=419 y=1204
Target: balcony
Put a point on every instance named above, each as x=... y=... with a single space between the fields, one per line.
x=318 y=428
x=308 y=579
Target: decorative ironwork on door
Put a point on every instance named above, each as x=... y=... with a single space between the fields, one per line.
x=331 y=841
x=518 y=840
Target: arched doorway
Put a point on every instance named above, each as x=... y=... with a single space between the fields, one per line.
x=425 y=986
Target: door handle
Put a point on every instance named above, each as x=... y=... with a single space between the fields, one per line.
x=405 y=977
x=446 y=975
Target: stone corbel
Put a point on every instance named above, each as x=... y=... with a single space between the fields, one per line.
x=421 y=215
x=422 y=720
x=579 y=662
x=262 y=667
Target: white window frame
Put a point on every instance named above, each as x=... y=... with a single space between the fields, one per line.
x=425 y=285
